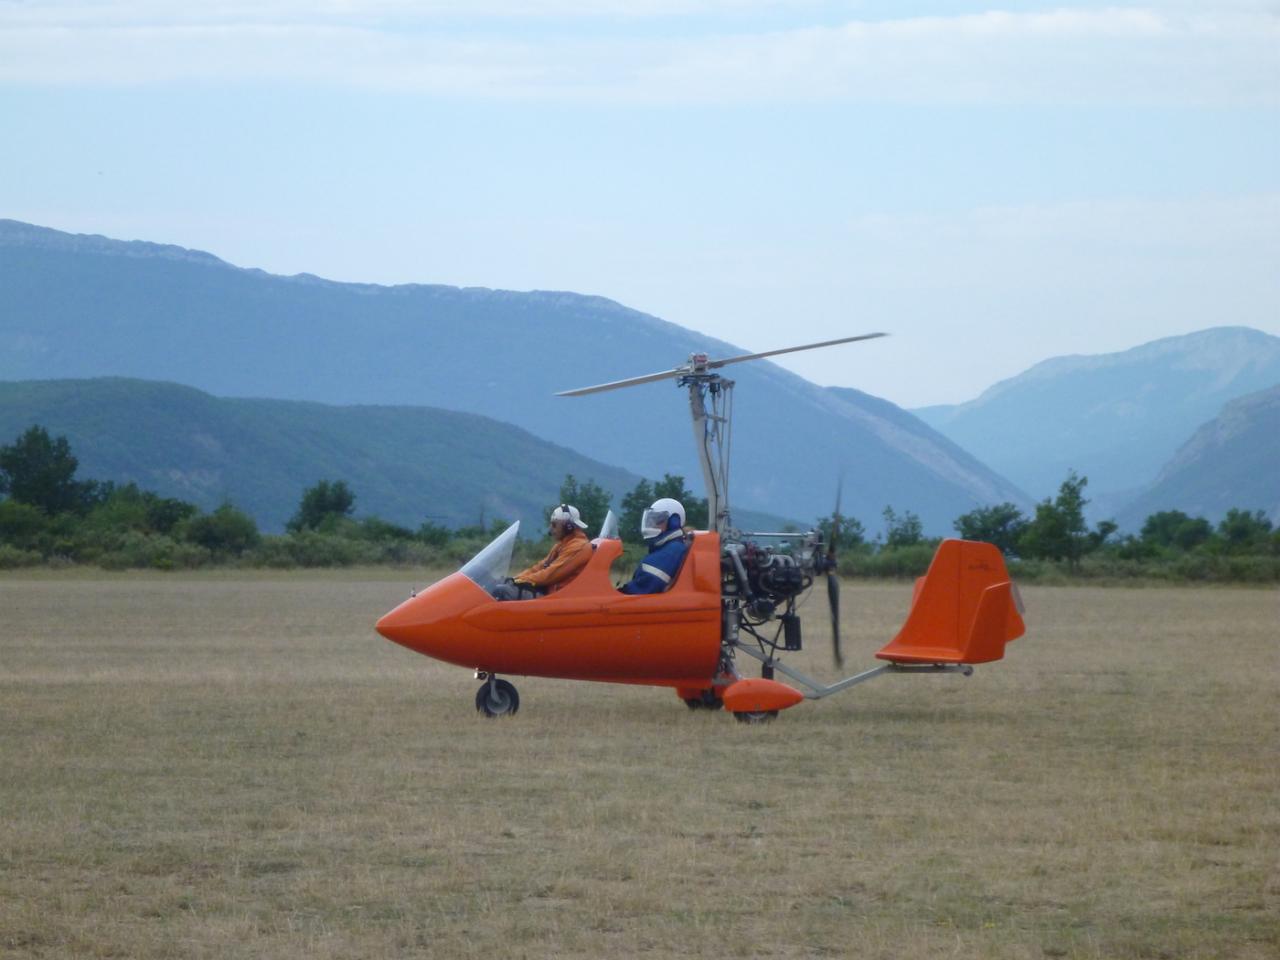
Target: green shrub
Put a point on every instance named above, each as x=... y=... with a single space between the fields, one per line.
x=907 y=561
x=11 y=558
x=134 y=550
x=21 y=524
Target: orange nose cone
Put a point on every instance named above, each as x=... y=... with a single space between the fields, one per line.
x=430 y=621
x=394 y=625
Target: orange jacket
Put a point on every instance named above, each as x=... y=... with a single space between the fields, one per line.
x=562 y=564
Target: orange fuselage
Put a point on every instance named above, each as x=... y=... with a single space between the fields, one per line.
x=585 y=631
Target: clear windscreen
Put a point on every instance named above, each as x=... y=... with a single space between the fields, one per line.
x=609 y=529
x=490 y=566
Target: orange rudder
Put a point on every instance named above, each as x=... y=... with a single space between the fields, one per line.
x=962 y=610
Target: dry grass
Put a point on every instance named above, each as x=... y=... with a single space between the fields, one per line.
x=218 y=767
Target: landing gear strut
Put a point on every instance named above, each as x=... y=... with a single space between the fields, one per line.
x=497 y=698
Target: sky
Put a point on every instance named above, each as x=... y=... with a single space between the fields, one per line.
x=991 y=185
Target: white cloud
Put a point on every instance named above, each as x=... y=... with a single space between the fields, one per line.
x=1156 y=54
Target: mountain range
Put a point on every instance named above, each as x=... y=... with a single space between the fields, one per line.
x=1231 y=461
x=78 y=307
x=1116 y=418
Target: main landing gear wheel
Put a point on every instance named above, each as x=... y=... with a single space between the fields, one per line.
x=497 y=698
x=707 y=701
x=755 y=716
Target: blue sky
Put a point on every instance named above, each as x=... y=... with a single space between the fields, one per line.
x=992 y=186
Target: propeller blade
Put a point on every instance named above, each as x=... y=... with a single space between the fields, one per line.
x=833 y=580
x=833 y=598
x=629 y=382
x=716 y=364
x=835 y=525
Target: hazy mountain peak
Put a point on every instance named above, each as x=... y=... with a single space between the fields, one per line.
x=14 y=233
x=1231 y=461
x=1226 y=352
x=1114 y=417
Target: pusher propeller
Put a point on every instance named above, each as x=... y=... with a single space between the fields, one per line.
x=833 y=581
x=698 y=363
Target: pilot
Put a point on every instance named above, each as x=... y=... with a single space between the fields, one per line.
x=569 y=554
x=662 y=527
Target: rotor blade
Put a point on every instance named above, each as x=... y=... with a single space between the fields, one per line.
x=833 y=598
x=715 y=364
x=619 y=384
x=711 y=365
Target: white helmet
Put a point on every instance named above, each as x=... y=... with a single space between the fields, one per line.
x=565 y=512
x=653 y=522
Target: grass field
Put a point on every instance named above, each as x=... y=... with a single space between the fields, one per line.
x=237 y=766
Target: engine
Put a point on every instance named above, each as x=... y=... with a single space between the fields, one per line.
x=764 y=576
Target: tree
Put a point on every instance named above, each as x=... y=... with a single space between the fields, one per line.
x=1058 y=531
x=644 y=493
x=1173 y=528
x=130 y=508
x=695 y=508
x=1002 y=525
x=904 y=531
x=633 y=506
x=226 y=530
x=40 y=471
x=1244 y=532
x=1099 y=535
x=852 y=532
x=320 y=503
x=433 y=534
x=591 y=500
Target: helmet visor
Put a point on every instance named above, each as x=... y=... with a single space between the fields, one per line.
x=654 y=523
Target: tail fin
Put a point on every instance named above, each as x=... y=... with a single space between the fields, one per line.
x=964 y=609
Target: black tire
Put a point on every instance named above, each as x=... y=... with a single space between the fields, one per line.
x=497 y=698
x=755 y=716
x=704 y=701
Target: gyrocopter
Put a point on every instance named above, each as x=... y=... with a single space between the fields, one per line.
x=734 y=597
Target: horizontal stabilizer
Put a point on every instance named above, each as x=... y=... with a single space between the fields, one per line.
x=964 y=610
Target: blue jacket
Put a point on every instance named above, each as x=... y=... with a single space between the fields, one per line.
x=660 y=567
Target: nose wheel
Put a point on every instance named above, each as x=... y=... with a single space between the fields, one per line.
x=497 y=698
x=755 y=716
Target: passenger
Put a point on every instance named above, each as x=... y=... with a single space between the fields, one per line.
x=662 y=527
x=569 y=554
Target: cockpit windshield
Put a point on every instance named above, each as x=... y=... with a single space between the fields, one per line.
x=609 y=529
x=490 y=566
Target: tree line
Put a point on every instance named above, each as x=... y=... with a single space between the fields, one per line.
x=49 y=516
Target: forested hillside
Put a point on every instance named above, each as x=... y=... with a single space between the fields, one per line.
x=406 y=464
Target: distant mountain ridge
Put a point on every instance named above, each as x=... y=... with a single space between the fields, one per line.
x=1231 y=461
x=76 y=307
x=1116 y=418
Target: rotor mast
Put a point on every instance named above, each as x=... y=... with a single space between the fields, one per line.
x=712 y=434
x=711 y=407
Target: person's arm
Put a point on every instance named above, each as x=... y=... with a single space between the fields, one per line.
x=528 y=574
x=566 y=561
x=657 y=571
